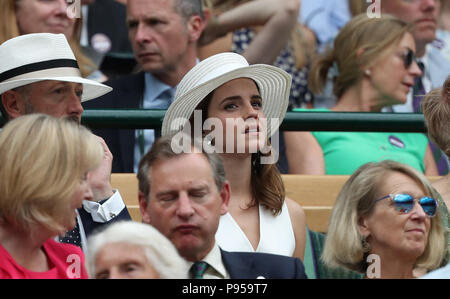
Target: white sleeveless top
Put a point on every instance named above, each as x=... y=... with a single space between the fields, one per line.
x=276 y=233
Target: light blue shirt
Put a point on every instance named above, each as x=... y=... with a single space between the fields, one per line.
x=325 y=18
x=153 y=99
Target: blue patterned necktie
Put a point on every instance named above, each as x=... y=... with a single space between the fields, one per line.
x=418 y=90
x=73 y=236
x=198 y=269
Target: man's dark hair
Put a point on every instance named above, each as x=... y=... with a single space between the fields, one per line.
x=163 y=149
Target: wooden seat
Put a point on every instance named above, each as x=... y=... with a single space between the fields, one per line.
x=315 y=193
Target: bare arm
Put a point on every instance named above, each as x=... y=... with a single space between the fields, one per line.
x=278 y=19
x=430 y=164
x=298 y=220
x=304 y=154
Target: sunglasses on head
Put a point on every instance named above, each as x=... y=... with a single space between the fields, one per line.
x=404 y=203
x=408 y=58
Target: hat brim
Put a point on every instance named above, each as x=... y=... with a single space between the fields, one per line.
x=91 y=89
x=274 y=85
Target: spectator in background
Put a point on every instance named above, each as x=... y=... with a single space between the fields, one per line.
x=18 y=17
x=260 y=218
x=423 y=14
x=263 y=31
x=385 y=223
x=442 y=41
x=166 y=49
x=441 y=273
x=43 y=180
x=373 y=66
x=40 y=74
x=436 y=110
x=104 y=37
x=185 y=206
x=133 y=250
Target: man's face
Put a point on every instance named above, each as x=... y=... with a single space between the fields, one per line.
x=158 y=34
x=184 y=204
x=422 y=13
x=55 y=98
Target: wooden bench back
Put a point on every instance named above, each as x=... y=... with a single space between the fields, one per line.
x=316 y=194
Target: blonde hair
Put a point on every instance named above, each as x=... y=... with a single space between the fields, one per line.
x=42 y=160
x=159 y=250
x=436 y=110
x=9 y=29
x=358 y=46
x=343 y=246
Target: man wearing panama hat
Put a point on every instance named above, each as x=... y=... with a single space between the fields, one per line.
x=39 y=73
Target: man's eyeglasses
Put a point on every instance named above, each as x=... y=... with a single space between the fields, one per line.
x=404 y=203
x=408 y=58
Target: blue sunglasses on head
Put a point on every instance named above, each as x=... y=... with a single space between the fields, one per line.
x=404 y=203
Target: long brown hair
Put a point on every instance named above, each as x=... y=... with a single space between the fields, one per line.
x=9 y=29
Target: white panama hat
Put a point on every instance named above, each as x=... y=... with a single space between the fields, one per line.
x=274 y=85
x=37 y=57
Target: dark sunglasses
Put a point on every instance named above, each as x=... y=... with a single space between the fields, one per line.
x=408 y=58
x=404 y=203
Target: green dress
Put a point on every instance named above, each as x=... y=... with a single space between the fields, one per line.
x=345 y=152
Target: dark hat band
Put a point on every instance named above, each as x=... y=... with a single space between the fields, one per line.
x=38 y=66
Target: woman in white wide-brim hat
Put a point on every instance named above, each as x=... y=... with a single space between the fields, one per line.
x=224 y=88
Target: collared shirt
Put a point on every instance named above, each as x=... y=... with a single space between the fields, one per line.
x=153 y=92
x=102 y=213
x=106 y=211
x=216 y=269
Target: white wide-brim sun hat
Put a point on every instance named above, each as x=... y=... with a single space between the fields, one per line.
x=38 y=57
x=274 y=85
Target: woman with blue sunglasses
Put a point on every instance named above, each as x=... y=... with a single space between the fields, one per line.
x=386 y=223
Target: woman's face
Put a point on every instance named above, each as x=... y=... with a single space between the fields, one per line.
x=390 y=76
x=391 y=233
x=82 y=192
x=238 y=103
x=38 y=16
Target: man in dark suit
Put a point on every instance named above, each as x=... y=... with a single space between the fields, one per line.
x=163 y=36
x=183 y=195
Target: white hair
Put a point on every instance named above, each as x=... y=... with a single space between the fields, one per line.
x=159 y=250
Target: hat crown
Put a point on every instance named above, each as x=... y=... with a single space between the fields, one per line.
x=273 y=84
x=32 y=48
x=208 y=69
